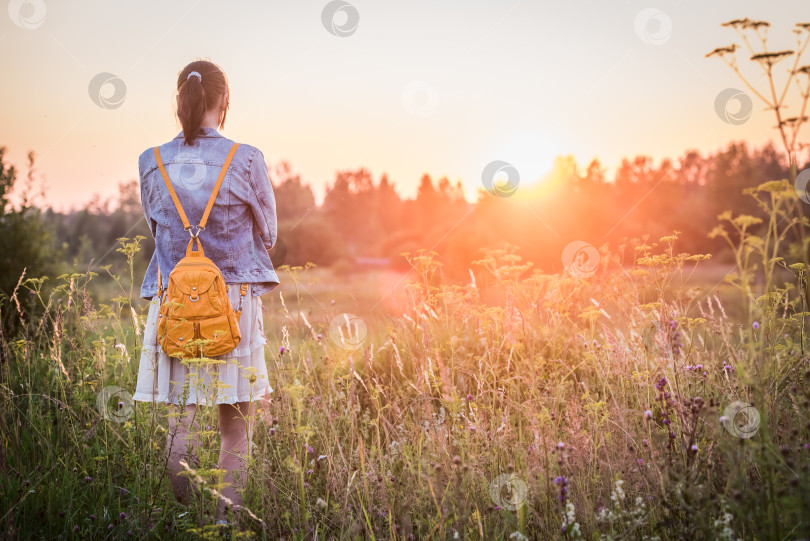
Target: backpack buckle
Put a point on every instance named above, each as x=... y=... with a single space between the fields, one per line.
x=195 y=230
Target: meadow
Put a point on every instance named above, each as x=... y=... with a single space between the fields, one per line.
x=660 y=396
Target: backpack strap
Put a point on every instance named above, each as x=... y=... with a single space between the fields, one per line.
x=186 y=224
x=222 y=172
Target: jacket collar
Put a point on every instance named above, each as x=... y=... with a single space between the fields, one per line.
x=207 y=132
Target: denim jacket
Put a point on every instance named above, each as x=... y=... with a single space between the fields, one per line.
x=241 y=226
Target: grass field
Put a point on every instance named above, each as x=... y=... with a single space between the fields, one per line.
x=648 y=401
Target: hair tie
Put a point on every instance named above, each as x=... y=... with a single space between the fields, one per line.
x=195 y=74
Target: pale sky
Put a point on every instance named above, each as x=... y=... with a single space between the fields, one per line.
x=518 y=81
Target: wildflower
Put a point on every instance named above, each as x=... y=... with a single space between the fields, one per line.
x=281 y=350
x=123 y=516
x=87 y=478
x=320 y=503
x=92 y=517
x=661 y=384
x=318 y=336
x=469 y=398
x=756 y=325
x=648 y=414
x=110 y=527
x=644 y=442
x=694 y=448
x=76 y=528
x=272 y=430
x=560 y=445
x=310 y=449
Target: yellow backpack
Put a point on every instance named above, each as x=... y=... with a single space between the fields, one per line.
x=196 y=318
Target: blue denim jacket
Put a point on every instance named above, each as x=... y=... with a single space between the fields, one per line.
x=241 y=226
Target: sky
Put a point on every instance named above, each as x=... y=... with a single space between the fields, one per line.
x=438 y=87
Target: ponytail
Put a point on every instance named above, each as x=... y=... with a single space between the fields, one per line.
x=196 y=95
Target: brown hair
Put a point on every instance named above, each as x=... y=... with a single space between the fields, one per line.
x=196 y=96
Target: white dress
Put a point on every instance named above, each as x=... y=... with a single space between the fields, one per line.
x=167 y=379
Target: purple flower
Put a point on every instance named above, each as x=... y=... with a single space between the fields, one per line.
x=661 y=384
x=310 y=449
x=640 y=462
x=648 y=414
x=756 y=325
x=282 y=350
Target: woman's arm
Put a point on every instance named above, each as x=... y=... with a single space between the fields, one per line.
x=264 y=204
x=152 y=224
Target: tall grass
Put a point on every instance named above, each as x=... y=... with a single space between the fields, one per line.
x=521 y=405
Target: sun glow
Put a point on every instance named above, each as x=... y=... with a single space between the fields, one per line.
x=532 y=155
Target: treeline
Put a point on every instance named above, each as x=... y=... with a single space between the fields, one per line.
x=363 y=218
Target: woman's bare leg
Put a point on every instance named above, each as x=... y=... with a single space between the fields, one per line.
x=235 y=422
x=182 y=444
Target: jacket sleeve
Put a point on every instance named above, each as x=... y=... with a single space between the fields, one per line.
x=152 y=224
x=264 y=203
